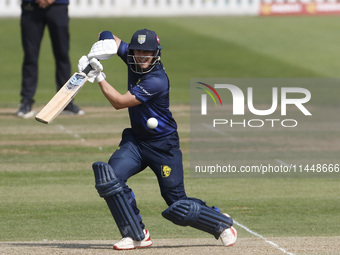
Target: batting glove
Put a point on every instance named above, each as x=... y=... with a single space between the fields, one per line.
x=83 y=63
x=96 y=73
x=103 y=49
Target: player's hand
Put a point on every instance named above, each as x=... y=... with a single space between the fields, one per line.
x=103 y=49
x=96 y=66
x=83 y=63
x=96 y=72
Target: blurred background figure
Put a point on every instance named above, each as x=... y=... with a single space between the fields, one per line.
x=35 y=15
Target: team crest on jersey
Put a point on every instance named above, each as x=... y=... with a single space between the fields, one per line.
x=166 y=170
x=141 y=39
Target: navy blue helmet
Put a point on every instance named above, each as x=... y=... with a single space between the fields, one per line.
x=146 y=40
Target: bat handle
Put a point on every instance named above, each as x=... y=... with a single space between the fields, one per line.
x=87 y=69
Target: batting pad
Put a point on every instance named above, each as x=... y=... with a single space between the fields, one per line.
x=196 y=215
x=109 y=188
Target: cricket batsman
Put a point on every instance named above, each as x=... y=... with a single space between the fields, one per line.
x=143 y=145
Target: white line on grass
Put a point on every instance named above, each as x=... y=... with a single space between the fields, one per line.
x=263 y=238
x=218 y=131
x=239 y=224
x=67 y=131
x=281 y=162
x=74 y=134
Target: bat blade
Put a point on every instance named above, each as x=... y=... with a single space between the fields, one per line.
x=62 y=98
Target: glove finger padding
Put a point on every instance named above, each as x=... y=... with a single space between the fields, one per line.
x=96 y=65
x=103 y=49
x=92 y=75
x=99 y=76
x=96 y=73
x=83 y=63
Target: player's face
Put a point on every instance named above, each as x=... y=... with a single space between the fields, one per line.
x=144 y=58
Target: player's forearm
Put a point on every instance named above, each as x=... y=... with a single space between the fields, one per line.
x=117 y=100
x=117 y=40
x=111 y=94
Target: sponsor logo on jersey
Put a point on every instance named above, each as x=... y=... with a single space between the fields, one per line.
x=144 y=90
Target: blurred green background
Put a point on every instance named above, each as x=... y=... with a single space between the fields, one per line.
x=195 y=47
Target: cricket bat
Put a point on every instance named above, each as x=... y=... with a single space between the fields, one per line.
x=105 y=48
x=63 y=97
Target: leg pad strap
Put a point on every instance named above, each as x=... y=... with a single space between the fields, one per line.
x=196 y=215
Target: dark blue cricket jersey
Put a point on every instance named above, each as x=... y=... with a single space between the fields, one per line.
x=152 y=89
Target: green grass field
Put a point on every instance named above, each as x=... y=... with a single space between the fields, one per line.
x=46 y=182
